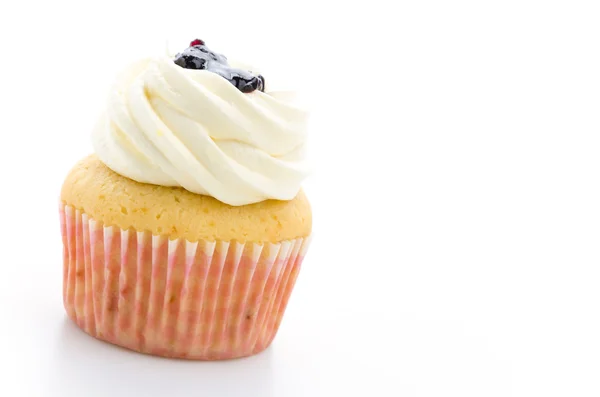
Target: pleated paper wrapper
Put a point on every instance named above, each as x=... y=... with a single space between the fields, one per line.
x=205 y=300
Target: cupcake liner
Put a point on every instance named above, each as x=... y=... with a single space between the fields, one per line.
x=205 y=300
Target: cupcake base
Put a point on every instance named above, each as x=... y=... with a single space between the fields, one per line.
x=204 y=300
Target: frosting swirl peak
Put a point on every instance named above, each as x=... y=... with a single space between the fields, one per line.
x=172 y=126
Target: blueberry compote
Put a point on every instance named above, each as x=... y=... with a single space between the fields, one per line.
x=198 y=56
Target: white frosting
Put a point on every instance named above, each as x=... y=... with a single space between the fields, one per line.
x=171 y=126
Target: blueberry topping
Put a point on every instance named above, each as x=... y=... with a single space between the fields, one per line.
x=198 y=56
x=190 y=62
x=261 y=83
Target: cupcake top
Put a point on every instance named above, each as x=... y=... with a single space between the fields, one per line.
x=199 y=122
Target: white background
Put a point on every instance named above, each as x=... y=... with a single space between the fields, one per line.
x=456 y=194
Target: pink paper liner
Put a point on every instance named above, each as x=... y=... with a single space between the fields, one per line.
x=205 y=300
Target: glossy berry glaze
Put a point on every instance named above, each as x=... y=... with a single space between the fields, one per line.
x=198 y=56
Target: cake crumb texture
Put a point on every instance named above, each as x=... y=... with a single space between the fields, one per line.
x=115 y=200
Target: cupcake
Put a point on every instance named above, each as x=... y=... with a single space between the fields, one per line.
x=185 y=231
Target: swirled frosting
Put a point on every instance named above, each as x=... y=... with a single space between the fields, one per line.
x=171 y=126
